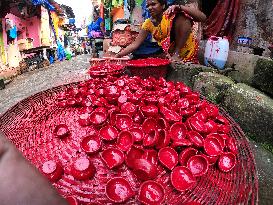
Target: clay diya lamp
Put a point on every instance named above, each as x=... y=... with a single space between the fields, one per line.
x=170 y=115
x=52 y=170
x=72 y=200
x=112 y=116
x=112 y=157
x=190 y=111
x=108 y=133
x=150 y=110
x=123 y=121
x=185 y=155
x=71 y=102
x=134 y=152
x=61 y=131
x=125 y=140
x=221 y=120
x=168 y=157
x=182 y=179
x=128 y=108
x=218 y=137
x=231 y=145
x=150 y=139
x=83 y=169
x=112 y=91
x=178 y=131
x=198 y=165
x=197 y=125
x=137 y=134
x=62 y=103
x=144 y=170
x=193 y=98
x=227 y=161
x=163 y=139
x=151 y=193
x=211 y=159
x=139 y=117
x=149 y=124
x=85 y=110
x=196 y=138
x=211 y=126
x=211 y=110
x=118 y=190
x=223 y=129
x=182 y=143
x=212 y=147
x=91 y=144
x=151 y=155
x=84 y=119
x=98 y=118
x=201 y=115
x=183 y=103
x=122 y=99
x=162 y=124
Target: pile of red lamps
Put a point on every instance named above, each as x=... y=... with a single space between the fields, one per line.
x=145 y=124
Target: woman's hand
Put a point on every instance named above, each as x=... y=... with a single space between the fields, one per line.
x=172 y=10
x=118 y=55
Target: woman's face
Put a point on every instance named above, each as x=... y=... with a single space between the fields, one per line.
x=95 y=16
x=154 y=7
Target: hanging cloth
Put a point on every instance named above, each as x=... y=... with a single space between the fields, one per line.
x=222 y=20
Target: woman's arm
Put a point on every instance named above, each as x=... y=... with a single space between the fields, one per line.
x=132 y=47
x=195 y=13
x=102 y=28
x=183 y=29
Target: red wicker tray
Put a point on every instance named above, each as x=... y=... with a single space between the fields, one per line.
x=30 y=123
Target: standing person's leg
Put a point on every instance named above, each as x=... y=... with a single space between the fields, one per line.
x=21 y=183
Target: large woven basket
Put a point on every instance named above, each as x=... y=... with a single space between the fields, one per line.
x=30 y=123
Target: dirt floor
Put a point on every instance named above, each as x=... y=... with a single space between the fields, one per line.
x=66 y=72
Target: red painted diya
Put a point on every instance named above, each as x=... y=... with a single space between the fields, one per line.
x=198 y=165
x=108 y=133
x=61 y=131
x=227 y=161
x=84 y=119
x=97 y=117
x=182 y=178
x=71 y=200
x=168 y=157
x=186 y=154
x=137 y=134
x=212 y=147
x=52 y=170
x=151 y=193
x=123 y=121
x=91 y=144
x=125 y=140
x=135 y=152
x=144 y=170
x=196 y=138
x=118 y=190
x=112 y=157
x=178 y=131
x=83 y=169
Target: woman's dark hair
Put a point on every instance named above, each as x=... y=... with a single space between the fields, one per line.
x=96 y=11
x=163 y=3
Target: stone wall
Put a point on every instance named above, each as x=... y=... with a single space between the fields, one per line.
x=255 y=20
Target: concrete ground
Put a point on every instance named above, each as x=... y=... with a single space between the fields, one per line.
x=72 y=71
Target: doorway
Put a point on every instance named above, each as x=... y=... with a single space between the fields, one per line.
x=208 y=6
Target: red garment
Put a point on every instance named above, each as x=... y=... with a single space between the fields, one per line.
x=222 y=20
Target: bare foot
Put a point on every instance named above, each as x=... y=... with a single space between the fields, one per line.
x=21 y=183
